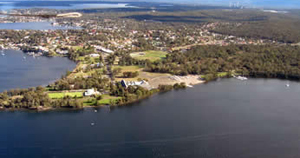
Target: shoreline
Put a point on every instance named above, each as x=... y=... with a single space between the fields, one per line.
x=189 y=80
x=43 y=109
x=47 y=109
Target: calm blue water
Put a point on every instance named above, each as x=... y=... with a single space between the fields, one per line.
x=33 y=26
x=17 y=72
x=8 y=5
x=226 y=119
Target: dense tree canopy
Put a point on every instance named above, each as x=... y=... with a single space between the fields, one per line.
x=256 y=61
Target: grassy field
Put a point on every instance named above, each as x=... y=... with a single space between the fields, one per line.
x=60 y=95
x=107 y=99
x=119 y=77
x=142 y=74
x=89 y=102
x=151 y=55
x=77 y=73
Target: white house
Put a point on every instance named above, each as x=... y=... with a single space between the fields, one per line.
x=142 y=83
x=91 y=92
x=102 y=49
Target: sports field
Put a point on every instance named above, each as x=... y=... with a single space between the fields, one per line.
x=60 y=95
x=151 y=55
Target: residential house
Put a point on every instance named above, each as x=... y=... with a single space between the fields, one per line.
x=104 y=50
x=91 y=92
x=141 y=83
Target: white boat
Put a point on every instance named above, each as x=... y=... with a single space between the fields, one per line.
x=2 y=54
x=189 y=86
x=242 y=78
x=287 y=85
x=92 y=124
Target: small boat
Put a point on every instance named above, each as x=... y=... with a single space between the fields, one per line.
x=92 y=124
x=2 y=54
x=96 y=111
x=287 y=85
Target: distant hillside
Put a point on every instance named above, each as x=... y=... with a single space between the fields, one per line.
x=280 y=27
x=245 y=23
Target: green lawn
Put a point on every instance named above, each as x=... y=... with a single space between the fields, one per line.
x=90 y=102
x=61 y=95
x=151 y=55
x=107 y=99
x=104 y=101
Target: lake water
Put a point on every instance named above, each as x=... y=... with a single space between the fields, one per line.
x=227 y=119
x=8 y=5
x=33 y=26
x=19 y=72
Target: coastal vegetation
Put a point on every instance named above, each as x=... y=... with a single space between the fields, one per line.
x=128 y=56
x=268 y=61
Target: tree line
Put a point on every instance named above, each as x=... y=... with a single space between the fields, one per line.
x=270 y=61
